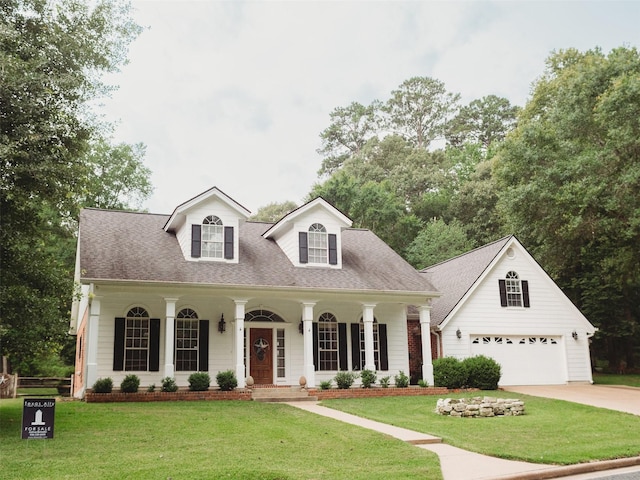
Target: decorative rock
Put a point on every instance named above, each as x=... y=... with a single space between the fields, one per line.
x=479 y=407
x=302 y=381
x=249 y=381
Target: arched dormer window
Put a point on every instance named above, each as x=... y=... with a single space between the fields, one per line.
x=211 y=239
x=514 y=292
x=317 y=246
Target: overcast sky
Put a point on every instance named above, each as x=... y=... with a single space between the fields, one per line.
x=235 y=94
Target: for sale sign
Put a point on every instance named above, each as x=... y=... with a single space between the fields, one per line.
x=38 y=415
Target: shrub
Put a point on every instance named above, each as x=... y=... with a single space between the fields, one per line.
x=344 y=380
x=368 y=378
x=384 y=382
x=423 y=383
x=449 y=372
x=482 y=372
x=169 y=385
x=151 y=388
x=227 y=380
x=325 y=385
x=199 y=381
x=402 y=381
x=130 y=384
x=103 y=385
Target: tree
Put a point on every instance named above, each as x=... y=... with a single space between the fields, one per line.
x=52 y=55
x=274 y=211
x=436 y=242
x=419 y=110
x=570 y=179
x=350 y=128
x=484 y=121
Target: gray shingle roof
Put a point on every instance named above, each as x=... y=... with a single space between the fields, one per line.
x=116 y=245
x=454 y=277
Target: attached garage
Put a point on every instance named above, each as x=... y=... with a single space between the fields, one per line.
x=535 y=360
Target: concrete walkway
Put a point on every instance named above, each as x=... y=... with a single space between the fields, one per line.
x=457 y=464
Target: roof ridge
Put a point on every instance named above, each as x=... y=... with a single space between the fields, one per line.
x=113 y=210
x=503 y=239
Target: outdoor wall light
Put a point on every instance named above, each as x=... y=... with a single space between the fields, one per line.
x=458 y=333
x=574 y=334
x=222 y=325
x=301 y=328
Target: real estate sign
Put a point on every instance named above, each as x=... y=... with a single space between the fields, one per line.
x=38 y=416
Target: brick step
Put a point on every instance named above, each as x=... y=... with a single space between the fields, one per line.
x=293 y=394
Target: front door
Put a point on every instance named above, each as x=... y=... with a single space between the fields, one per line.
x=261 y=359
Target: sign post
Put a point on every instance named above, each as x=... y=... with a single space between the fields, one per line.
x=38 y=415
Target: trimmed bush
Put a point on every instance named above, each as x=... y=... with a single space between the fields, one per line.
x=368 y=378
x=449 y=372
x=227 y=380
x=402 y=381
x=483 y=372
x=199 y=381
x=423 y=383
x=130 y=384
x=325 y=385
x=344 y=380
x=384 y=382
x=103 y=385
x=169 y=385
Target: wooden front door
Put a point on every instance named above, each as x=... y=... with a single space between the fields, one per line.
x=261 y=358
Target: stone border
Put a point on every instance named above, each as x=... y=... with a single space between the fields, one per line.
x=480 y=407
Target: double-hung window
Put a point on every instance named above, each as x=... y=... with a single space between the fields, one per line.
x=327 y=342
x=187 y=334
x=514 y=292
x=136 y=343
x=212 y=237
x=317 y=238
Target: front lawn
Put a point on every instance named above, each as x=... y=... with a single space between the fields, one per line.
x=202 y=440
x=552 y=431
x=631 y=380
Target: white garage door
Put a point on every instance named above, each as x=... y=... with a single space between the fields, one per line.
x=524 y=360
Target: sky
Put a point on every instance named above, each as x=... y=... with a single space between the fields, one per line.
x=235 y=94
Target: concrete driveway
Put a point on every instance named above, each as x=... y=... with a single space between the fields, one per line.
x=624 y=399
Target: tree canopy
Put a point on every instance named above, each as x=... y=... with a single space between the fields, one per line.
x=55 y=156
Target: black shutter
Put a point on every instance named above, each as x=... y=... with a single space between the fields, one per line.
x=355 y=346
x=315 y=346
x=203 y=346
x=342 y=346
x=118 y=345
x=525 y=293
x=195 y=240
x=228 y=243
x=154 y=345
x=303 y=246
x=502 y=284
x=382 y=346
x=333 y=249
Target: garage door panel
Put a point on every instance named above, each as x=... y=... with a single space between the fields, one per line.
x=530 y=360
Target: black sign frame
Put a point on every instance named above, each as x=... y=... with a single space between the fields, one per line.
x=38 y=418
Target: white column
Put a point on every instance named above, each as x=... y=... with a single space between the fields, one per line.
x=367 y=318
x=425 y=330
x=238 y=332
x=92 y=342
x=169 y=336
x=307 y=323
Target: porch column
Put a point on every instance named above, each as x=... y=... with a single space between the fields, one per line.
x=238 y=333
x=92 y=342
x=169 y=336
x=425 y=330
x=307 y=323
x=367 y=319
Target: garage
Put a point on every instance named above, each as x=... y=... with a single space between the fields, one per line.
x=531 y=360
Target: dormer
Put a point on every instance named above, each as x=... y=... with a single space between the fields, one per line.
x=311 y=236
x=206 y=227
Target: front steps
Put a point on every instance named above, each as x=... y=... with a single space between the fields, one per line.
x=282 y=394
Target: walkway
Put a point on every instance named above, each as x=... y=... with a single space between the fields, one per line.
x=459 y=464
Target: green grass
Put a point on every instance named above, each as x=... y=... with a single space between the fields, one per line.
x=552 y=431
x=198 y=440
x=631 y=380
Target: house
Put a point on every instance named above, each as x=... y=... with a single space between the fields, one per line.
x=205 y=289
x=497 y=301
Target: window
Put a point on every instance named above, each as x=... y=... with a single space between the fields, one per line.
x=187 y=334
x=513 y=291
x=136 y=340
x=212 y=237
x=280 y=357
x=376 y=345
x=327 y=342
x=317 y=238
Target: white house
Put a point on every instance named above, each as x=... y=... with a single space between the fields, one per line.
x=497 y=301
x=204 y=289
